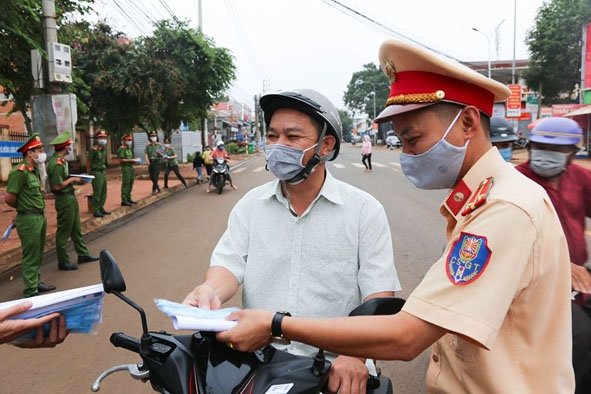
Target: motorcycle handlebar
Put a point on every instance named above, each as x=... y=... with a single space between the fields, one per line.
x=119 y=339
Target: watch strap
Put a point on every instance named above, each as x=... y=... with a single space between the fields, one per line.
x=276 y=324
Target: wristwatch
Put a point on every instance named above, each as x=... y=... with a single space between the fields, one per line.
x=276 y=334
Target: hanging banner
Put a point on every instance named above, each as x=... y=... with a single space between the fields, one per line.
x=514 y=101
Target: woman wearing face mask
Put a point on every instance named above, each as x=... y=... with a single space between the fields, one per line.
x=96 y=165
x=23 y=192
x=125 y=154
x=553 y=144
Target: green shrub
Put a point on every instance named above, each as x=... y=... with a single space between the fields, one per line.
x=232 y=148
x=191 y=157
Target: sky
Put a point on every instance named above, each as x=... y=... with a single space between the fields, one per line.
x=319 y=44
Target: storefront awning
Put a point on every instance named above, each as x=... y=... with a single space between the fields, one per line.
x=581 y=111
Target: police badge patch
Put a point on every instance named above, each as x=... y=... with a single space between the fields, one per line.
x=467 y=259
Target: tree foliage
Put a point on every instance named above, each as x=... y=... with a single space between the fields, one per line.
x=21 y=29
x=555 y=47
x=346 y=121
x=360 y=90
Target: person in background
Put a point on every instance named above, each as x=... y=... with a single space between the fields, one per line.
x=208 y=161
x=366 y=153
x=172 y=164
x=495 y=307
x=66 y=206
x=220 y=152
x=11 y=329
x=553 y=143
x=125 y=154
x=153 y=154
x=96 y=166
x=23 y=192
x=306 y=242
x=502 y=136
x=198 y=164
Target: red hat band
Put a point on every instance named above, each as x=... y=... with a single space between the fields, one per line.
x=420 y=87
x=63 y=145
x=32 y=145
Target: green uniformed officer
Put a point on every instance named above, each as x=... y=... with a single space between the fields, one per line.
x=23 y=192
x=66 y=206
x=153 y=153
x=172 y=164
x=96 y=165
x=125 y=154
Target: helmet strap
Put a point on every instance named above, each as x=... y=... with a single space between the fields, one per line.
x=313 y=162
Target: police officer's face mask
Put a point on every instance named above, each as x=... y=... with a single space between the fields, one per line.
x=285 y=162
x=41 y=157
x=153 y=139
x=102 y=142
x=437 y=168
x=547 y=163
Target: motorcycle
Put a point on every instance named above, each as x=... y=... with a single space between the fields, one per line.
x=198 y=363
x=219 y=174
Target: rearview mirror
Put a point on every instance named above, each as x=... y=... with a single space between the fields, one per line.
x=110 y=273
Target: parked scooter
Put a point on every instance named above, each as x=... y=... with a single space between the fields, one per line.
x=198 y=363
x=219 y=174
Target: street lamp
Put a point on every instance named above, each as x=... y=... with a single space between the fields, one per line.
x=374 y=100
x=488 y=46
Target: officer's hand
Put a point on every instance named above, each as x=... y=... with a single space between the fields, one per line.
x=348 y=375
x=77 y=180
x=581 y=279
x=203 y=296
x=11 y=329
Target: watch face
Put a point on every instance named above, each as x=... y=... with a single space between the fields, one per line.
x=280 y=341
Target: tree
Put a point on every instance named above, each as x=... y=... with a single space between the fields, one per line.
x=21 y=30
x=360 y=90
x=555 y=48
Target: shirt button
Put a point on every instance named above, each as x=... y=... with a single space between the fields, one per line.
x=435 y=358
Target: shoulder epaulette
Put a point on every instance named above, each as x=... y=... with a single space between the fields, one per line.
x=479 y=197
x=59 y=161
x=22 y=167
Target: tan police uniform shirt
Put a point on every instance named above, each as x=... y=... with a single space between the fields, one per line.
x=502 y=288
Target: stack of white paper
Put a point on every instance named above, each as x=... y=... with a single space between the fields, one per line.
x=186 y=317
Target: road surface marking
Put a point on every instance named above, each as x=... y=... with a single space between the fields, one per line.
x=258 y=169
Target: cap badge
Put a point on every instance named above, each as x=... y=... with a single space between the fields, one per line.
x=390 y=70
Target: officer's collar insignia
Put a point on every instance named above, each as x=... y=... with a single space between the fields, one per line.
x=467 y=259
x=457 y=198
x=479 y=198
x=59 y=161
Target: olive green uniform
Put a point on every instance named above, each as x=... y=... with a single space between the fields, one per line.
x=31 y=222
x=97 y=157
x=68 y=213
x=152 y=151
x=172 y=165
x=127 y=173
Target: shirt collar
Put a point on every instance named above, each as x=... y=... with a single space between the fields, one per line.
x=329 y=190
x=482 y=169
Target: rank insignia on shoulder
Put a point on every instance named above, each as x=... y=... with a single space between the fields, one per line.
x=22 y=167
x=467 y=259
x=59 y=161
x=479 y=198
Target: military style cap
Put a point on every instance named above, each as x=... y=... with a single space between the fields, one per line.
x=61 y=141
x=33 y=142
x=101 y=133
x=153 y=132
x=419 y=78
x=127 y=137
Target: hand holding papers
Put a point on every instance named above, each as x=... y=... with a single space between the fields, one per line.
x=9 y=229
x=186 y=317
x=82 y=308
x=85 y=178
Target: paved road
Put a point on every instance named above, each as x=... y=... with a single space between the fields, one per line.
x=163 y=251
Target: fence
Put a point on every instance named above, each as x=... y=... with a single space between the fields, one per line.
x=20 y=136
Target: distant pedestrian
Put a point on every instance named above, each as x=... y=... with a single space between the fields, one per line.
x=23 y=192
x=208 y=161
x=198 y=164
x=172 y=164
x=153 y=153
x=96 y=166
x=366 y=153
x=125 y=154
x=66 y=206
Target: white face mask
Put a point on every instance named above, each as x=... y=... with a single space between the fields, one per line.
x=167 y=145
x=153 y=139
x=128 y=143
x=41 y=157
x=285 y=162
x=102 y=142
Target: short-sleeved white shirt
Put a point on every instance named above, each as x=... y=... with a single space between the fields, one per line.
x=323 y=263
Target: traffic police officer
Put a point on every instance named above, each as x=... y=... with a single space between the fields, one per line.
x=96 y=165
x=66 y=205
x=23 y=192
x=125 y=154
x=153 y=153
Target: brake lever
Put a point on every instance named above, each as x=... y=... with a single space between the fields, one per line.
x=134 y=370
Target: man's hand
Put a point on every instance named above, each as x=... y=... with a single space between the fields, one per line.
x=203 y=296
x=348 y=375
x=581 y=279
x=12 y=329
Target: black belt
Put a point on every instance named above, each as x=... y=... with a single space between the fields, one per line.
x=60 y=193
x=31 y=212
